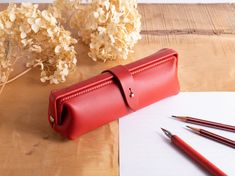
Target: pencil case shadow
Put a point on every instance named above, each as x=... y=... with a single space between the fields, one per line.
x=115 y=92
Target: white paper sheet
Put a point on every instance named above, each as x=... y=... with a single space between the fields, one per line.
x=146 y=151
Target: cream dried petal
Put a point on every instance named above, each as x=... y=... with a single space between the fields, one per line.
x=112 y=39
x=60 y=65
x=92 y=45
x=62 y=78
x=57 y=49
x=41 y=65
x=53 y=20
x=50 y=61
x=21 y=28
x=43 y=79
x=66 y=65
x=44 y=13
x=23 y=35
x=38 y=22
x=66 y=48
x=74 y=61
x=8 y=24
x=35 y=28
x=3 y=78
x=12 y=16
x=96 y=14
x=100 y=11
x=43 y=74
x=25 y=28
x=30 y=20
x=107 y=5
x=24 y=42
x=54 y=81
x=73 y=41
x=1 y=25
x=35 y=6
x=36 y=48
x=101 y=30
x=49 y=32
x=65 y=72
x=28 y=64
x=56 y=29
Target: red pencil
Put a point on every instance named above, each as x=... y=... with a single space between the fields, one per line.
x=210 y=167
x=206 y=123
x=213 y=136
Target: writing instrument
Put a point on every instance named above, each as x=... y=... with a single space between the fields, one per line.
x=192 y=153
x=213 y=136
x=206 y=123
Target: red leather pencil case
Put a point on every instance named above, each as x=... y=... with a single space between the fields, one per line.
x=114 y=93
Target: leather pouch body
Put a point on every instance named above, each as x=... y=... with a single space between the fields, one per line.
x=82 y=107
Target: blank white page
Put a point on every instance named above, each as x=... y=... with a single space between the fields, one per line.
x=146 y=151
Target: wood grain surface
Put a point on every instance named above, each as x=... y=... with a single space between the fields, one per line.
x=204 y=36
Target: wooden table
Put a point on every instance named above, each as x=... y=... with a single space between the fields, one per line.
x=202 y=34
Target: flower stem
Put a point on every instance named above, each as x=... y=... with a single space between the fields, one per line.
x=2 y=85
x=16 y=77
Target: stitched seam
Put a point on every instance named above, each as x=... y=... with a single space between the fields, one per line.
x=86 y=91
x=150 y=66
x=110 y=81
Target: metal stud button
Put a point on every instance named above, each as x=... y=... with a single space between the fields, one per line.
x=131 y=95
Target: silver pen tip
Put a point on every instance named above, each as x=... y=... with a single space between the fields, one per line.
x=167 y=133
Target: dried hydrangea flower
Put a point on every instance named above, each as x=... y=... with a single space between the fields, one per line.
x=64 y=9
x=37 y=32
x=110 y=27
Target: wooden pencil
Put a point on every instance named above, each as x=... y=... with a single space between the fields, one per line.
x=205 y=123
x=213 y=136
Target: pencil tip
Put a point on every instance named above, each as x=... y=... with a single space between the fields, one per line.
x=178 y=117
x=181 y=118
x=193 y=129
x=189 y=127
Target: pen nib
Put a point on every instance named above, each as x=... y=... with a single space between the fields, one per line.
x=167 y=133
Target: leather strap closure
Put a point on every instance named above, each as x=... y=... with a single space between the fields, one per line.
x=127 y=84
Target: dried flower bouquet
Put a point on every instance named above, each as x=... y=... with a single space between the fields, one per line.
x=51 y=47
x=111 y=28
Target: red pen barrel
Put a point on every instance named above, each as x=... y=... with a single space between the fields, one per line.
x=215 y=171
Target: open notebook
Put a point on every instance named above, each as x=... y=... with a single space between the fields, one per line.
x=146 y=151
